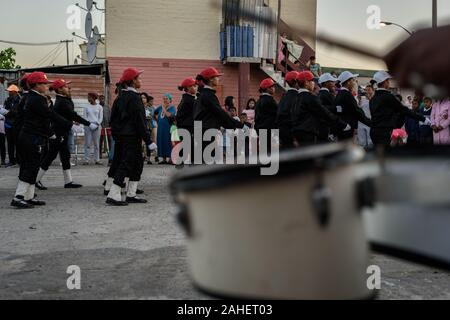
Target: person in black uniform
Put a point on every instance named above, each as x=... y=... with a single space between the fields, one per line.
x=185 y=114
x=286 y=104
x=33 y=138
x=266 y=110
x=207 y=108
x=326 y=96
x=388 y=113
x=347 y=106
x=64 y=107
x=128 y=129
x=308 y=112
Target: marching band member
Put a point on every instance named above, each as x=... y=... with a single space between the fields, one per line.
x=266 y=109
x=388 y=113
x=347 y=106
x=64 y=107
x=326 y=96
x=308 y=112
x=33 y=138
x=128 y=129
x=287 y=102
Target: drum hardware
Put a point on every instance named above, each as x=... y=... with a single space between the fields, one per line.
x=366 y=193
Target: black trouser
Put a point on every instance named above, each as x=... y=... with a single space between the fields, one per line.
x=2 y=148
x=31 y=149
x=348 y=135
x=190 y=153
x=11 y=137
x=286 y=138
x=305 y=138
x=381 y=136
x=129 y=162
x=58 y=145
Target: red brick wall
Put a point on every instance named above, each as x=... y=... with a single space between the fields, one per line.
x=165 y=75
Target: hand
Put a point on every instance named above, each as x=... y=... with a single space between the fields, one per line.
x=53 y=137
x=3 y=111
x=93 y=126
x=427 y=122
x=347 y=128
x=2 y=117
x=152 y=147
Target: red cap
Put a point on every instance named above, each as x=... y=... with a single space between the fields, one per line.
x=291 y=76
x=189 y=82
x=267 y=83
x=37 y=77
x=25 y=77
x=130 y=74
x=58 y=84
x=305 y=76
x=210 y=73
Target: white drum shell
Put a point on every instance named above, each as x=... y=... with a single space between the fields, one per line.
x=263 y=240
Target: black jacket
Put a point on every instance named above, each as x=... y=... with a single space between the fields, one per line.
x=128 y=117
x=266 y=111
x=185 y=113
x=12 y=104
x=208 y=110
x=21 y=112
x=65 y=108
x=387 y=111
x=347 y=109
x=327 y=100
x=38 y=116
x=287 y=102
x=308 y=112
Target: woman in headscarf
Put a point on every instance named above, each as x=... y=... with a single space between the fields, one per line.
x=164 y=113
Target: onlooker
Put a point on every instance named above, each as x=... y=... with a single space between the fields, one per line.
x=314 y=67
x=233 y=114
x=94 y=114
x=440 y=122
x=250 y=111
x=2 y=91
x=426 y=133
x=364 y=139
x=2 y=141
x=149 y=112
x=105 y=136
x=164 y=113
x=229 y=103
x=412 y=125
x=11 y=105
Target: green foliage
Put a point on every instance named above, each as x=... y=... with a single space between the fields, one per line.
x=8 y=59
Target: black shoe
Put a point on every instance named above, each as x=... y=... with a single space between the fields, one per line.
x=105 y=192
x=149 y=163
x=179 y=166
x=138 y=191
x=21 y=204
x=73 y=186
x=115 y=203
x=136 y=200
x=35 y=202
x=40 y=186
x=104 y=183
x=162 y=162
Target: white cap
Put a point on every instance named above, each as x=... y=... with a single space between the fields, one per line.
x=381 y=76
x=347 y=75
x=327 y=77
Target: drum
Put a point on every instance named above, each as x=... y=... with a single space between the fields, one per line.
x=411 y=216
x=296 y=235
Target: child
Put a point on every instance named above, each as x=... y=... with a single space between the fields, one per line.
x=412 y=125
x=175 y=139
x=426 y=132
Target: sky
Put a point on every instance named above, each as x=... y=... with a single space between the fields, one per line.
x=339 y=18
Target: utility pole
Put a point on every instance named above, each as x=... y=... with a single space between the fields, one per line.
x=67 y=48
x=435 y=15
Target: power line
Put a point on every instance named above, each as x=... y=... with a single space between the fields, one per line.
x=47 y=55
x=30 y=43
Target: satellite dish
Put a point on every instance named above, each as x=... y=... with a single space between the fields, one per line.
x=91 y=50
x=89 y=4
x=88 y=26
x=96 y=33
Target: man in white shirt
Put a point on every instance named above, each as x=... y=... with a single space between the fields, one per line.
x=94 y=114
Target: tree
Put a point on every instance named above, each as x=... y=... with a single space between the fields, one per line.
x=8 y=59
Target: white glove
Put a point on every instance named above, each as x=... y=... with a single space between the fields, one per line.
x=152 y=147
x=3 y=111
x=2 y=118
x=427 y=122
x=93 y=126
x=347 y=128
x=53 y=137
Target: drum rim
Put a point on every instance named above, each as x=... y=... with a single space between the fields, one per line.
x=295 y=162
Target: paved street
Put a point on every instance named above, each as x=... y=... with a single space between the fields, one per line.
x=137 y=252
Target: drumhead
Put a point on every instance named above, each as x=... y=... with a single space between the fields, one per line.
x=296 y=161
